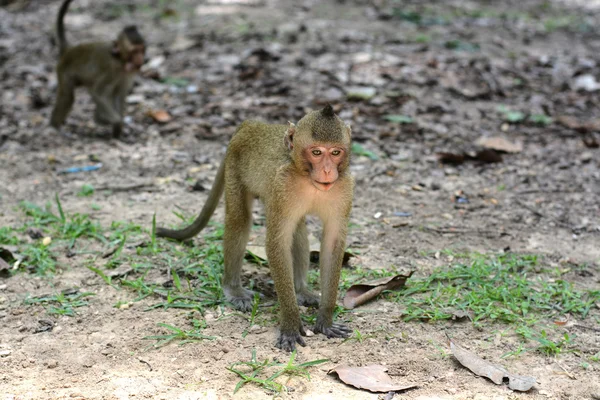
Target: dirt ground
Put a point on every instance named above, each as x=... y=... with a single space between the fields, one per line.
x=446 y=67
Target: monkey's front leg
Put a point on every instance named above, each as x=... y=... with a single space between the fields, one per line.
x=331 y=258
x=279 y=254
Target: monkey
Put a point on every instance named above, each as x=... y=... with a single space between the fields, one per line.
x=295 y=170
x=106 y=69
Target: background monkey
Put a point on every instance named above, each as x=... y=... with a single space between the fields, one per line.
x=295 y=171
x=105 y=69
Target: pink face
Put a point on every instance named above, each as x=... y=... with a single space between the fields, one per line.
x=324 y=161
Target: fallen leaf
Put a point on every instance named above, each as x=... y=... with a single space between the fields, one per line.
x=256 y=254
x=361 y=293
x=460 y=315
x=371 y=377
x=579 y=126
x=160 y=116
x=500 y=144
x=495 y=373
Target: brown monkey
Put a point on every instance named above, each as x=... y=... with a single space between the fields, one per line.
x=105 y=69
x=295 y=171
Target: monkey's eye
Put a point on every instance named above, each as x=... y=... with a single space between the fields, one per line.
x=336 y=152
x=316 y=152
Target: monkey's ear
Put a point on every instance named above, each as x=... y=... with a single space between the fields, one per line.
x=289 y=135
x=349 y=128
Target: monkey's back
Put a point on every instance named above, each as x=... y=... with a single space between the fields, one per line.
x=259 y=152
x=85 y=62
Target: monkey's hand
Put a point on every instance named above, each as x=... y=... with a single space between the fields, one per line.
x=335 y=330
x=287 y=340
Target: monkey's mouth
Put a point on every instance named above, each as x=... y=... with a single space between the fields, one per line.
x=324 y=186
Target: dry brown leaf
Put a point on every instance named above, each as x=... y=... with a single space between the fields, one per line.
x=371 y=377
x=495 y=373
x=579 y=126
x=361 y=293
x=160 y=116
x=500 y=144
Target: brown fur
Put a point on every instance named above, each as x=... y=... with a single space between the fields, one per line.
x=106 y=69
x=270 y=162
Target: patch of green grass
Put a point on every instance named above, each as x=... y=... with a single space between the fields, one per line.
x=62 y=226
x=61 y=303
x=7 y=236
x=540 y=119
x=505 y=289
x=38 y=259
x=359 y=150
x=422 y=38
x=461 y=45
x=253 y=314
x=254 y=371
x=357 y=337
x=399 y=118
x=189 y=336
x=86 y=190
x=175 y=81
x=510 y=115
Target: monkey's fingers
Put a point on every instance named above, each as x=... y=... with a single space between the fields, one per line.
x=336 y=330
x=287 y=341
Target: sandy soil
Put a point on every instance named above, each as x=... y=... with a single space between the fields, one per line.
x=274 y=60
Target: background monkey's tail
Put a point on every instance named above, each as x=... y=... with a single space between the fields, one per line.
x=207 y=211
x=60 y=27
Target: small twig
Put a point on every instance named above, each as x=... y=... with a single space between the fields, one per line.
x=590 y=328
x=127 y=188
x=110 y=251
x=145 y=362
x=529 y=208
x=570 y=375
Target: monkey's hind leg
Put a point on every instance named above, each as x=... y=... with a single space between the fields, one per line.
x=238 y=221
x=64 y=101
x=106 y=113
x=301 y=262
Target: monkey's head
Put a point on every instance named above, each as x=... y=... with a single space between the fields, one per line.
x=130 y=48
x=320 y=147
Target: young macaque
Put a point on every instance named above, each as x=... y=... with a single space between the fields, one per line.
x=106 y=69
x=295 y=171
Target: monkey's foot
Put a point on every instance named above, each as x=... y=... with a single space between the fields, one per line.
x=307 y=298
x=240 y=298
x=335 y=330
x=287 y=340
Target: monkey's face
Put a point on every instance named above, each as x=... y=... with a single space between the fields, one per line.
x=324 y=161
x=135 y=58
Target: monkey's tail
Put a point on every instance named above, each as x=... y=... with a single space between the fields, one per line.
x=207 y=211
x=60 y=27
